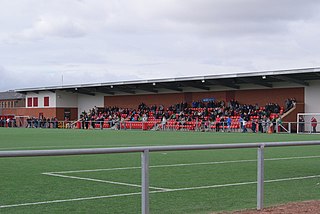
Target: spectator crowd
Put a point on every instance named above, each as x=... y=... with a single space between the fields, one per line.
x=210 y=114
x=206 y=114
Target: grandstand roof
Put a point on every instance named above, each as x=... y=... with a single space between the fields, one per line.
x=11 y=95
x=264 y=79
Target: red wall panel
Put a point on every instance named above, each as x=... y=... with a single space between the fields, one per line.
x=263 y=96
x=259 y=96
x=132 y=101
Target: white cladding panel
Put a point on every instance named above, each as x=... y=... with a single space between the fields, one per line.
x=67 y=99
x=86 y=102
x=312 y=97
x=40 y=96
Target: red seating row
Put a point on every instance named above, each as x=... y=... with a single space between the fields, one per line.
x=105 y=125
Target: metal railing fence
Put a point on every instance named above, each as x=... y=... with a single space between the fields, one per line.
x=145 y=160
x=206 y=126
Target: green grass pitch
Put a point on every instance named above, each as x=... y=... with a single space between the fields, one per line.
x=199 y=181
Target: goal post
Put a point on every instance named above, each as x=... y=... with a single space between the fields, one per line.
x=308 y=123
x=21 y=121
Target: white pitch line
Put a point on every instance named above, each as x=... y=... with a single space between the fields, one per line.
x=103 y=181
x=69 y=200
x=212 y=186
x=97 y=170
x=185 y=164
x=39 y=147
x=155 y=166
x=71 y=146
x=159 y=191
x=292 y=158
x=244 y=183
x=292 y=179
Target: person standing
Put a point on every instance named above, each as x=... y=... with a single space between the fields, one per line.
x=244 y=125
x=254 y=125
x=301 y=124
x=229 y=122
x=314 y=124
x=218 y=123
x=163 y=122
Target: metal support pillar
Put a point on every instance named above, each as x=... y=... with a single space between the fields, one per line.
x=289 y=128
x=260 y=178
x=145 y=182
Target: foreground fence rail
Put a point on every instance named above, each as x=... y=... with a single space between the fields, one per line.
x=145 y=159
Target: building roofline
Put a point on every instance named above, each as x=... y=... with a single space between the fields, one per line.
x=177 y=79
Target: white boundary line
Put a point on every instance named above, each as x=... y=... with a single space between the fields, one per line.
x=69 y=200
x=244 y=183
x=103 y=181
x=183 y=164
x=159 y=191
x=71 y=146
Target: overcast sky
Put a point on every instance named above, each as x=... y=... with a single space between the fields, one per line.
x=91 y=41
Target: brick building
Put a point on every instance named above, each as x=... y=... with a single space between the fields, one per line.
x=10 y=101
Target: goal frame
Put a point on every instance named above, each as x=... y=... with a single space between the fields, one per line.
x=22 y=120
x=306 y=125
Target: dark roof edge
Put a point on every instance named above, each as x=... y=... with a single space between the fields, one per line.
x=164 y=80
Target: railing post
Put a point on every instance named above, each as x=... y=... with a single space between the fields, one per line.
x=145 y=182
x=260 y=178
x=289 y=128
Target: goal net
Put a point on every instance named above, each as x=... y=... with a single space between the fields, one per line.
x=308 y=123
x=21 y=121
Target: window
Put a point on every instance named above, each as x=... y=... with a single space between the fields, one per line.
x=35 y=102
x=67 y=114
x=46 y=101
x=29 y=102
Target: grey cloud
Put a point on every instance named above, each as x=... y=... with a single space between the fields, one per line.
x=6 y=80
x=246 y=10
x=53 y=26
x=228 y=17
x=12 y=79
x=101 y=41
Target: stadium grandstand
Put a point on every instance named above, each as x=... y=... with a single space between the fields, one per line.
x=184 y=103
